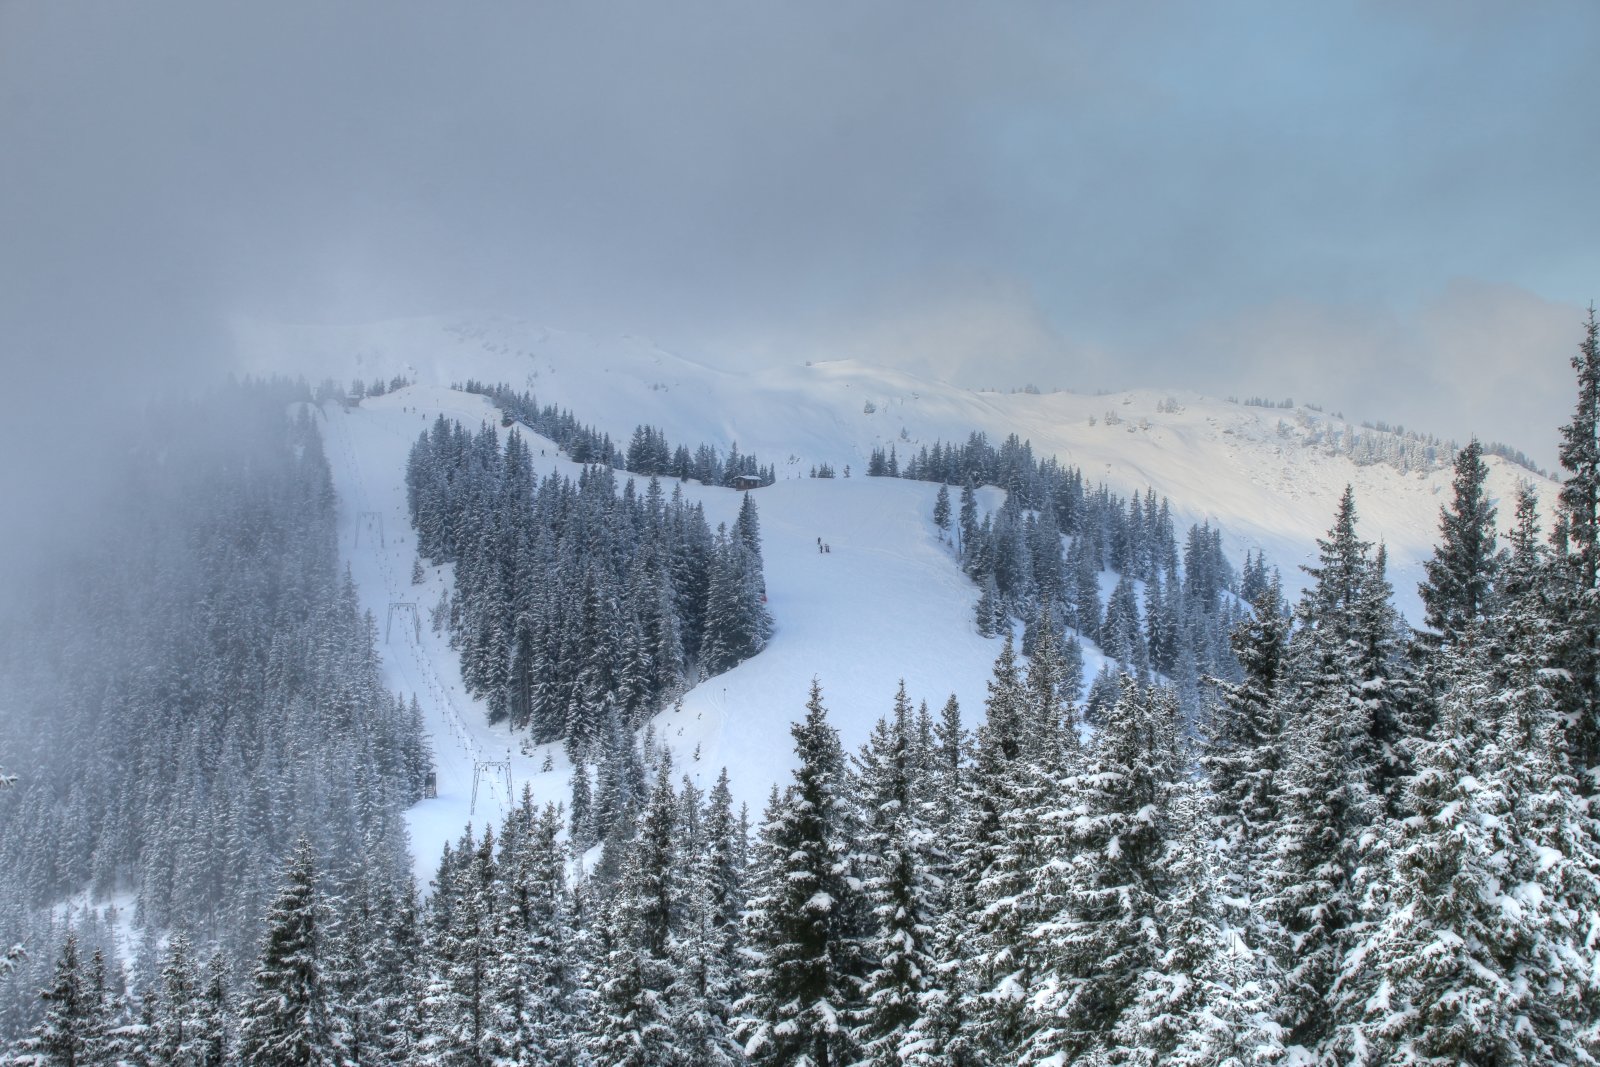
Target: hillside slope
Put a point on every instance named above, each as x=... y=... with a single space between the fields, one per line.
x=886 y=602
x=1270 y=477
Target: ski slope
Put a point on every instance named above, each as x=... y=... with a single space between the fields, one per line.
x=888 y=602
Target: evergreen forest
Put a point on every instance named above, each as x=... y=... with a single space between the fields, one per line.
x=203 y=693
x=1327 y=836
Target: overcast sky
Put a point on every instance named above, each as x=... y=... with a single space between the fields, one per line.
x=1389 y=208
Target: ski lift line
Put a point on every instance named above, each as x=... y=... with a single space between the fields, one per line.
x=469 y=744
x=453 y=719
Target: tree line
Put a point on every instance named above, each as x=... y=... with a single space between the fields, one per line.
x=648 y=452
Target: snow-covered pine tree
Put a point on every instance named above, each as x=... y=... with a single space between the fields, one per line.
x=1555 y=873
x=67 y=1035
x=345 y=940
x=737 y=622
x=967 y=522
x=1106 y=879
x=1122 y=632
x=635 y=698
x=1128 y=554
x=941 y=510
x=707 y=953
x=125 y=1022
x=990 y=610
x=633 y=1025
x=1011 y=898
x=805 y=924
x=1432 y=976
x=1329 y=606
x=1325 y=808
x=288 y=1019
x=1206 y=572
x=941 y=1007
x=1103 y=692
x=1010 y=557
x=948 y=771
x=1041 y=552
x=1460 y=576
x=977 y=553
x=1242 y=752
x=393 y=962
x=1219 y=1011
x=988 y=793
x=1343 y=747
x=1556 y=869
x=1254 y=577
x=893 y=794
x=1164 y=623
x=1396 y=704
x=457 y=1015
x=594 y=646
x=581 y=821
x=1051 y=687
x=214 y=1019
x=748 y=528
x=373 y=961
x=11 y=958
x=1082 y=581
x=620 y=790
x=533 y=979
x=178 y=1031
x=1578 y=558
x=1203 y=1001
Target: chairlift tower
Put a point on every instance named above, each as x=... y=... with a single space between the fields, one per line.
x=495 y=770
x=403 y=607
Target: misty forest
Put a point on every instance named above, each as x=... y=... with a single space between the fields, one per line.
x=1268 y=829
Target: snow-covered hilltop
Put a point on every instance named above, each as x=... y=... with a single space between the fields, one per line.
x=1270 y=477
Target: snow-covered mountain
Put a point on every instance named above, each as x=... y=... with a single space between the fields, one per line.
x=1270 y=477
x=887 y=603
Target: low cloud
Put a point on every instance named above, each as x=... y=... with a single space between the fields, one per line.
x=974 y=332
x=1228 y=197
x=1477 y=358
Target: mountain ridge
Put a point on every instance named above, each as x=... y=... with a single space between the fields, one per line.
x=1270 y=478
